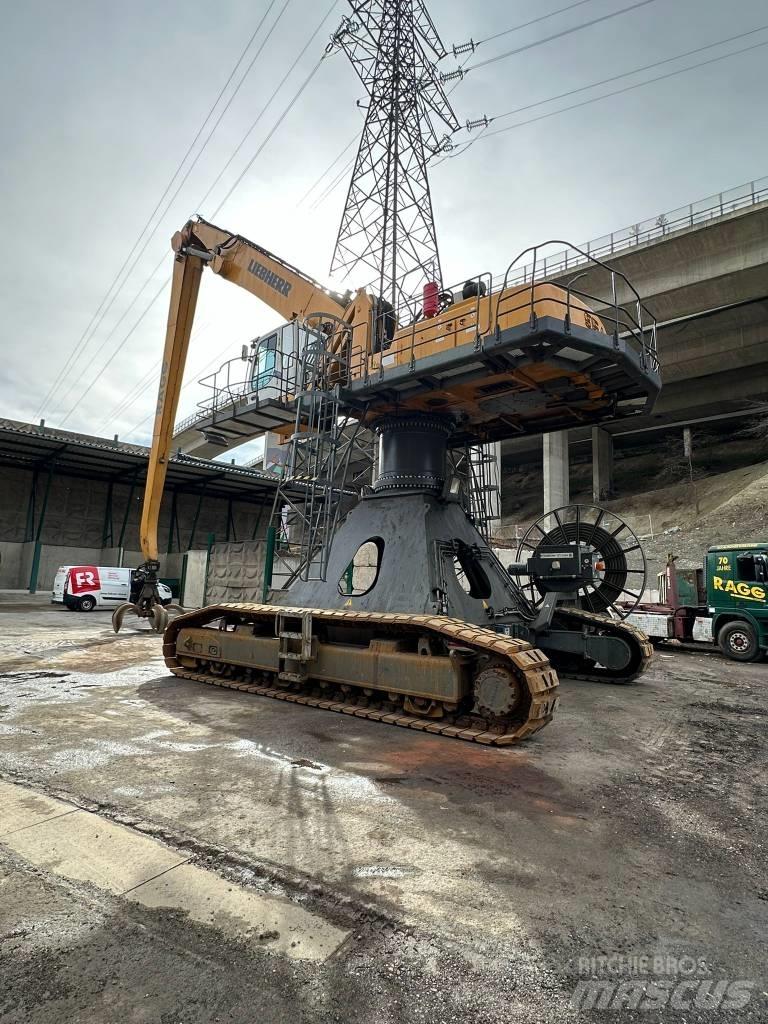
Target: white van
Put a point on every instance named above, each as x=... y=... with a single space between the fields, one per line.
x=85 y=587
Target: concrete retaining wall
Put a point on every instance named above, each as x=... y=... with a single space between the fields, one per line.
x=10 y=566
x=51 y=557
x=16 y=562
x=236 y=572
x=194 y=592
x=77 y=522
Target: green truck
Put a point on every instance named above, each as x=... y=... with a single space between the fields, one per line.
x=724 y=603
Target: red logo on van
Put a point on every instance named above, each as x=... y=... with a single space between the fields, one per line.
x=83 y=578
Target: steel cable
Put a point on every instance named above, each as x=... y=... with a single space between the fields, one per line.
x=106 y=303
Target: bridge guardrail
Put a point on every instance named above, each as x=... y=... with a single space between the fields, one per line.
x=689 y=216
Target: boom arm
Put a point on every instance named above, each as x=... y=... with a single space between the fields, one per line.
x=184 y=289
x=286 y=289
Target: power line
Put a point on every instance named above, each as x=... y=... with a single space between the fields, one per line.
x=171 y=201
x=272 y=131
x=245 y=170
x=547 y=39
x=123 y=316
x=263 y=110
x=636 y=71
x=168 y=205
x=605 y=81
x=330 y=166
x=628 y=88
x=131 y=398
x=138 y=389
x=107 y=302
x=194 y=379
x=98 y=376
x=533 y=21
x=334 y=184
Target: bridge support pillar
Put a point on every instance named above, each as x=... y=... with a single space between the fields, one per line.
x=602 y=464
x=556 y=470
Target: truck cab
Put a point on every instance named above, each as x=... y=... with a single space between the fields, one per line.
x=736 y=580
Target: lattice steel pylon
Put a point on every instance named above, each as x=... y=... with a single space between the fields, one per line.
x=387 y=233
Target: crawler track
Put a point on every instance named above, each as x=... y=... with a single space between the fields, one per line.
x=640 y=645
x=529 y=666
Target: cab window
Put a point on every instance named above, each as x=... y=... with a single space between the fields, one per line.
x=752 y=568
x=264 y=364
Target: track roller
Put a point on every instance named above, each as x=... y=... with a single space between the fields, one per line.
x=425 y=672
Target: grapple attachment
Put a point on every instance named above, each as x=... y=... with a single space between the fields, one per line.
x=146 y=603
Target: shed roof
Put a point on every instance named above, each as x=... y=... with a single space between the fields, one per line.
x=29 y=446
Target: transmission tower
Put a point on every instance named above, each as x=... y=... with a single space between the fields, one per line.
x=387 y=232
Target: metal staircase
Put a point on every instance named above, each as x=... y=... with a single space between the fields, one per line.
x=296 y=648
x=478 y=468
x=312 y=492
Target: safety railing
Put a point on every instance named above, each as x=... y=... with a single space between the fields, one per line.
x=629 y=320
x=364 y=351
x=615 y=307
x=228 y=387
x=655 y=228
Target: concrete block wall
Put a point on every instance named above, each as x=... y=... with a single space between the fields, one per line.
x=10 y=565
x=74 y=525
x=51 y=557
x=112 y=556
x=14 y=495
x=194 y=593
x=236 y=572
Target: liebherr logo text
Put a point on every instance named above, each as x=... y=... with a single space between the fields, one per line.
x=268 y=277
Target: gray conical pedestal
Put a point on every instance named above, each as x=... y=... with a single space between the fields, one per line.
x=428 y=556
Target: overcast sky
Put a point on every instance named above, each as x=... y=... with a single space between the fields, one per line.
x=100 y=101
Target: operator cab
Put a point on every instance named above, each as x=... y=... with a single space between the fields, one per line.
x=273 y=363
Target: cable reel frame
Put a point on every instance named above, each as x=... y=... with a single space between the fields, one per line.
x=624 y=572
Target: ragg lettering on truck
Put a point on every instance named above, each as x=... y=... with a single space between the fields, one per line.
x=747 y=591
x=84 y=578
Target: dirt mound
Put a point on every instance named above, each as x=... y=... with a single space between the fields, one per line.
x=685 y=518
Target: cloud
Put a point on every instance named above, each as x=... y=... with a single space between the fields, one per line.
x=107 y=99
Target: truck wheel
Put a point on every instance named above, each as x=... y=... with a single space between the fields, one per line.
x=87 y=603
x=738 y=640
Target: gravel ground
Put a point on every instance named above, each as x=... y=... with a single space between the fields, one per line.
x=478 y=885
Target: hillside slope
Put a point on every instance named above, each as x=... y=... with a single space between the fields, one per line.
x=685 y=519
x=728 y=508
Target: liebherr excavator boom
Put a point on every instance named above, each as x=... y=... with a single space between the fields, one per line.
x=287 y=290
x=442 y=639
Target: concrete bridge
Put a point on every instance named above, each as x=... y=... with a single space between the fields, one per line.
x=703 y=273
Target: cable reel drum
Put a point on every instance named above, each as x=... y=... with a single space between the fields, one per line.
x=585 y=553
